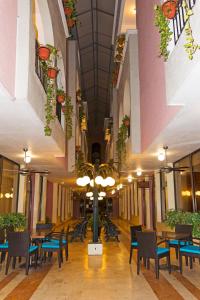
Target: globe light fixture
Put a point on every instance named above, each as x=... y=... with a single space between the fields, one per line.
x=91 y=198
x=110 y=181
x=27 y=157
x=98 y=180
x=161 y=155
x=100 y=198
x=102 y=194
x=7 y=195
x=139 y=172
x=86 y=180
x=79 y=181
x=104 y=183
x=113 y=192
x=89 y=194
x=130 y=178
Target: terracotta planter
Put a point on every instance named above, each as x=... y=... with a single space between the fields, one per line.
x=70 y=23
x=52 y=73
x=169 y=8
x=68 y=11
x=43 y=52
x=61 y=98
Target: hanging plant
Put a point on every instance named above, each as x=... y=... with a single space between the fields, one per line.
x=78 y=96
x=68 y=112
x=70 y=13
x=121 y=143
x=60 y=96
x=52 y=72
x=190 y=46
x=126 y=121
x=169 y=8
x=115 y=74
x=50 y=88
x=44 y=52
x=165 y=33
x=119 y=48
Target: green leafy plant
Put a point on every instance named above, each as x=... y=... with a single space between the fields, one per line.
x=174 y=217
x=165 y=33
x=17 y=221
x=68 y=112
x=121 y=143
x=70 y=13
x=79 y=160
x=190 y=46
x=126 y=121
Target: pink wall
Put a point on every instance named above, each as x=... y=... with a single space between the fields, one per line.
x=8 y=31
x=49 y=202
x=155 y=114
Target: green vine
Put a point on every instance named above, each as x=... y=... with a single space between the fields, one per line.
x=165 y=33
x=121 y=143
x=68 y=112
x=190 y=46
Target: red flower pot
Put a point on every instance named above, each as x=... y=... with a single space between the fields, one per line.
x=68 y=11
x=61 y=98
x=70 y=23
x=43 y=52
x=52 y=73
x=169 y=9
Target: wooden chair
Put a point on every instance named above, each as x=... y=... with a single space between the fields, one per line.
x=134 y=243
x=19 y=246
x=176 y=244
x=148 y=249
x=52 y=246
x=55 y=239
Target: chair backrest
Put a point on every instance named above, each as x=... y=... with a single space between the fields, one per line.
x=18 y=243
x=2 y=236
x=133 y=230
x=184 y=228
x=41 y=226
x=147 y=244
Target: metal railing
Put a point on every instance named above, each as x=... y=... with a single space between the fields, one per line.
x=179 y=20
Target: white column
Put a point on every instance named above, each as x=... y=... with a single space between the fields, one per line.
x=128 y=203
x=136 y=199
x=55 y=202
x=44 y=198
x=158 y=196
x=59 y=200
x=170 y=190
x=63 y=202
x=132 y=200
x=140 y=205
x=147 y=204
x=22 y=194
x=36 y=200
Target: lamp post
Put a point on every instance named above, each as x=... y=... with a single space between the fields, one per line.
x=94 y=172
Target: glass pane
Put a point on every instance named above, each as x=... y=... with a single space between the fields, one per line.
x=184 y=186
x=196 y=172
x=9 y=186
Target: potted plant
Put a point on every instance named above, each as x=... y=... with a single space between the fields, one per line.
x=60 y=96
x=126 y=121
x=67 y=110
x=44 y=52
x=165 y=33
x=121 y=143
x=169 y=8
x=52 y=72
x=13 y=221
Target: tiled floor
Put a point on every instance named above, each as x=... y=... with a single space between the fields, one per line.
x=109 y=277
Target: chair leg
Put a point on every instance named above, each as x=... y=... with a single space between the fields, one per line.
x=7 y=264
x=36 y=259
x=66 y=252
x=176 y=249
x=14 y=262
x=59 y=259
x=148 y=263
x=61 y=255
x=27 y=264
x=169 y=263
x=180 y=263
x=3 y=256
x=157 y=268
x=130 y=258
x=191 y=262
x=138 y=264
x=186 y=260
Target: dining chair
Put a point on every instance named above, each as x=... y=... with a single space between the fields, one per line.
x=134 y=243
x=189 y=251
x=19 y=245
x=52 y=246
x=55 y=239
x=176 y=244
x=148 y=249
x=3 y=245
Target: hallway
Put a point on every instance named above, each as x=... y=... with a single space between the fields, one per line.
x=109 y=277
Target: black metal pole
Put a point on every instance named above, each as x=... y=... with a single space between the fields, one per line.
x=95 y=216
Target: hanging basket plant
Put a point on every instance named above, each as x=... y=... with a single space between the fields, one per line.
x=52 y=72
x=169 y=8
x=126 y=121
x=70 y=13
x=44 y=52
x=67 y=110
x=121 y=143
x=60 y=96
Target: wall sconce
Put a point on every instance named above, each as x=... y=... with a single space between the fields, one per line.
x=139 y=172
x=161 y=155
x=130 y=178
x=27 y=157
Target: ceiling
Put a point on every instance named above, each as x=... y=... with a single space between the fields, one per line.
x=95 y=36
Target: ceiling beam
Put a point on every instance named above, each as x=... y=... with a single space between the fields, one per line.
x=95 y=9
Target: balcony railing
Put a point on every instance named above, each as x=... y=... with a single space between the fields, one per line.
x=179 y=20
x=41 y=75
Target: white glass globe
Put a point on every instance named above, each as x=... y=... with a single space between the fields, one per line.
x=89 y=194
x=92 y=183
x=102 y=194
x=98 y=180
x=104 y=183
x=139 y=172
x=100 y=198
x=79 y=181
x=110 y=181
x=86 y=180
x=91 y=198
